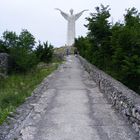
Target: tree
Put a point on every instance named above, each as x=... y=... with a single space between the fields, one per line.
x=20 y=48
x=99 y=35
x=26 y=40
x=126 y=47
x=84 y=47
x=132 y=17
x=10 y=39
x=114 y=48
x=3 y=47
x=44 y=52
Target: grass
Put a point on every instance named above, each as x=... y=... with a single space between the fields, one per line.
x=62 y=50
x=17 y=87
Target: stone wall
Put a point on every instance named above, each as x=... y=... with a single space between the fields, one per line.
x=3 y=64
x=126 y=101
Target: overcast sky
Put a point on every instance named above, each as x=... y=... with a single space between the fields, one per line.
x=46 y=24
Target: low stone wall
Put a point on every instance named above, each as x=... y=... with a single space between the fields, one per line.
x=3 y=64
x=126 y=101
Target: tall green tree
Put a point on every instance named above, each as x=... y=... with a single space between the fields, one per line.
x=26 y=40
x=126 y=48
x=10 y=39
x=99 y=35
x=20 y=48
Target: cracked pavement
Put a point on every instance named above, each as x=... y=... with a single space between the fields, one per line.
x=73 y=108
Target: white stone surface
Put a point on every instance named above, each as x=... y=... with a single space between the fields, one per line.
x=71 y=19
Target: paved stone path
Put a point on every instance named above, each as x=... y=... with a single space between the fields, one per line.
x=74 y=109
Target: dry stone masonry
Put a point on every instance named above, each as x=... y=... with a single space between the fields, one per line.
x=3 y=64
x=126 y=101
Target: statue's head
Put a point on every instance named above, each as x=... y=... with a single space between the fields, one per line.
x=71 y=11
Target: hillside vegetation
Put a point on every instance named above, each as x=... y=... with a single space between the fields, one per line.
x=113 y=47
x=29 y=65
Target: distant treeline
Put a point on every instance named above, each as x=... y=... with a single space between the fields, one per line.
x=23 y=54
x=113 y=47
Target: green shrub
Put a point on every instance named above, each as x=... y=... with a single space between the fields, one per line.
x=23 y=59
x=44 y=52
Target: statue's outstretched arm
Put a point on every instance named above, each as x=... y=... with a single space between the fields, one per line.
x=79 y=14
x=65 y=15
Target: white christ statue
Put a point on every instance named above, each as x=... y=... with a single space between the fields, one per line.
x=71 y=18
